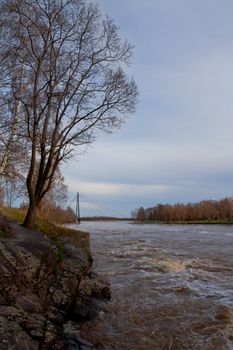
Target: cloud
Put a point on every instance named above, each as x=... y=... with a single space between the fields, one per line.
x=179 y=145
x=114 y=189
x=143 y=163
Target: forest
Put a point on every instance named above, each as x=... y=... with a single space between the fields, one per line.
x=206 y=210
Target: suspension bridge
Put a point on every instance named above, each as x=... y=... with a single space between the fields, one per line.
x=89 y=209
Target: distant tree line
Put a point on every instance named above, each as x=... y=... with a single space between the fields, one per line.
x=204 y=210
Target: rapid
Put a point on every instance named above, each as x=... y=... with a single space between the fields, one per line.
x=172 y=286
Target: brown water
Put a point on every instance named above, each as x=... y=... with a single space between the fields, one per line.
x=172 y=286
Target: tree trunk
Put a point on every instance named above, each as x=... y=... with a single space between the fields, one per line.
x=31 y=214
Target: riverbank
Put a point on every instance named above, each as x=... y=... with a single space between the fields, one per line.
x=47 y=282
x=192 y=222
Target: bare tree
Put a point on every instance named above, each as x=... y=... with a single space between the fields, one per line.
x=141 y=216
x=72 y=82
x=13 y=155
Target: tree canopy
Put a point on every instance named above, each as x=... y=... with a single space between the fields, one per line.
x=62 y=80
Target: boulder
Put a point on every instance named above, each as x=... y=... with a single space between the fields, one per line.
x=39 y=294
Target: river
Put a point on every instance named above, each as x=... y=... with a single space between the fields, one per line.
x=172 y=286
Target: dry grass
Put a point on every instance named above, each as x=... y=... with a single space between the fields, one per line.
x=48 y=228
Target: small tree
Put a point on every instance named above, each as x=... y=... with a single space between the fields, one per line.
x=72 y=83
x=141 y=216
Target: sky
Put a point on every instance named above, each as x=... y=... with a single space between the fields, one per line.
x=178 y=146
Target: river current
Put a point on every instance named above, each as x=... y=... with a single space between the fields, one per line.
x=172 y=286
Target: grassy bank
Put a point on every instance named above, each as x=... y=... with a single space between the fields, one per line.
x=56 y=233
x=48 y=228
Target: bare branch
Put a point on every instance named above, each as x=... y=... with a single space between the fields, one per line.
x=73 y=80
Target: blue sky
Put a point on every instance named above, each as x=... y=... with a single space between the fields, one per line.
x=178 y=146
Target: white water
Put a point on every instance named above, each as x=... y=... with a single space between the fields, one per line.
x=172 y=286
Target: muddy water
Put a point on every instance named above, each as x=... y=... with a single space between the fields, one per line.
x=172 y=286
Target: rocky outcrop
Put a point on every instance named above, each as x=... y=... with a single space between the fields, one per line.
x=44 y=284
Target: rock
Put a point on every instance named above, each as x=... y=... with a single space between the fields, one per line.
x=80 y=311
x=99 y=304
x=96 y=286
x=12 y=336
x=84 y=345
x=28 y=303
x=39 y=294
x=73 y=341
x=93 y=293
